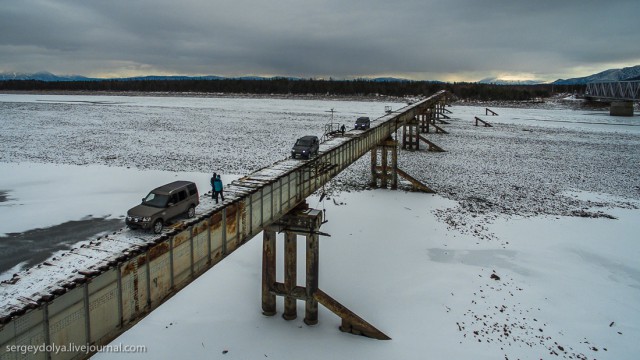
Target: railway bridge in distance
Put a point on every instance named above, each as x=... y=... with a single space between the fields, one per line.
x=621 y=95
x=98 y=291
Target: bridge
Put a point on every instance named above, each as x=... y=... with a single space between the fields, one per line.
x=621 y=94
x=96 y=292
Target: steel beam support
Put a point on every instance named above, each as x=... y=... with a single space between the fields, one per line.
x=313 y=253
x=384 y=171
x=394 y=165
x=290 y=274
x=410 y=140
x=374 y=164
x=268 y=272
x=384 y=176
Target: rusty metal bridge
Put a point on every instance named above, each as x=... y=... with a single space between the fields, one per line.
x=131 y=274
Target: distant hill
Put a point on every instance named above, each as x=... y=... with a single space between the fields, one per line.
x=496 y=81
x=49 y=77
x=628 y=73
x=42 y=76
x=176 y=77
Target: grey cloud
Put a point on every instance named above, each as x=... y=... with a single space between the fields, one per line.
x=316 y=37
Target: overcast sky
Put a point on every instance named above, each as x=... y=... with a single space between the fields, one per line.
x=447 y=40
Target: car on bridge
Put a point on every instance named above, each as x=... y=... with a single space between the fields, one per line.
x=163 y=204
x=362 y=123
x=305 y=147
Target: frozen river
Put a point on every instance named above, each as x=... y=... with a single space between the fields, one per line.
x=72 y=165
x=547 y=198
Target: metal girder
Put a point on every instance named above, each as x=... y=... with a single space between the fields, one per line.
x=351 y=322
x=614 y=90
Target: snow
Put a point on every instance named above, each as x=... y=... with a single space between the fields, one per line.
x=237 y=135
x=547 y=200
x=425 y=286
x=37 y=191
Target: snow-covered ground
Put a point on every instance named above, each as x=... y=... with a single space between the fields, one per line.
x=547 y=200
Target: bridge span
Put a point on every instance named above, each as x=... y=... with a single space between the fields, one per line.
x=621 y=94
x=97 y=291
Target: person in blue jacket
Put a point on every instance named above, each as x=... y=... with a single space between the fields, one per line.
x=217 y=188
x=213 y=190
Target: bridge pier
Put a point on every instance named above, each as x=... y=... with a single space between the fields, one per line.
x=425 y=118
x=385 y=171
x=301 y=221
x=621 y=108
x=410 y=139
x=305 y=222
x=268 y=271
x=290 y=274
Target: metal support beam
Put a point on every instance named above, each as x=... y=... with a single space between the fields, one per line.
x=351 y=322
x=313 y=254
x=384 y=171
x=374 y=163
x=410 y=140
x=383 y=177
x=486 y=124
x=394 y=165
x=290 y=274
x=268 y=272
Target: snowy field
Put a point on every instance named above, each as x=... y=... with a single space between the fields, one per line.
x=547 y=200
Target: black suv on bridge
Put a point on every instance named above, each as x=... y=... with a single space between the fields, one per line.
x=363 y=123
x=306 y=147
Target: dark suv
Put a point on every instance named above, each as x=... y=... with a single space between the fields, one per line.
x=305 y=147
x=363 y=123
x=163 y=204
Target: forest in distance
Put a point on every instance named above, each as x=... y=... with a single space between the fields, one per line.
x=284 y=86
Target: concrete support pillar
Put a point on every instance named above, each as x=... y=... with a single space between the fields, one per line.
x=621 y=108
x=268 y=272
x=290 y=274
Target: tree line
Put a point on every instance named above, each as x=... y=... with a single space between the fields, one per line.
x=283 y=86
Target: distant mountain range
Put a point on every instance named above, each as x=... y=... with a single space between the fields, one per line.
x=624 y=74
x=47 y=76
x=41 y=76
x=497 y=81
x=628 y=73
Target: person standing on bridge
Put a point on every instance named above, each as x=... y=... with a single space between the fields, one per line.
x=217 y=188
x=213 y=188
